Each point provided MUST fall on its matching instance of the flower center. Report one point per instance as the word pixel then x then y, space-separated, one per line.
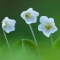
pixel 48 26
pixel 6 24
pixel 28 15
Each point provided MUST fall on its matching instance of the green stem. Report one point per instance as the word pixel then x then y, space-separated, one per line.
pixel 6 40
pixel 35 40
pixel 33 35
pixel 23 49
pixel 52 45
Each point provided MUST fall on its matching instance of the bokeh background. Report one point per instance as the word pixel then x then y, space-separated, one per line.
pixel 13 9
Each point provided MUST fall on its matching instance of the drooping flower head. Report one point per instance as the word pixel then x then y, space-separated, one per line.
pixel 47 25
pixel 30 16
pixel 8 25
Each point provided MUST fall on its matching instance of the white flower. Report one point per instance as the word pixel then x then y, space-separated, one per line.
pixel 8 25
pixel 47 25
pixel 30 16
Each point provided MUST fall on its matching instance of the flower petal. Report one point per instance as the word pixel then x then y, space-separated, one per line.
pixel 5 19
pixel 47 33
pixel 29 10
pixel 35 14
pixel 41 27
pixel 9 29
pixel 51 20
pixel 54 29
pixel 31 20
pixel 43 19
pixel 3 24
pixel 12 22
pixel 23 15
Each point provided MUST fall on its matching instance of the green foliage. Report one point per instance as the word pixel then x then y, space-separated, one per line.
pixel 56 44
pixel 0 51
pixel 24 48
pixel 26 42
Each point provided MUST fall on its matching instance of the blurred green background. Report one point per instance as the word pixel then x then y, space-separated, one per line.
pixel 13 9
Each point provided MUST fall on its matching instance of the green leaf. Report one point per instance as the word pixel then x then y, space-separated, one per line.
pixel 27 44
pixel 24 48
pixel 56 44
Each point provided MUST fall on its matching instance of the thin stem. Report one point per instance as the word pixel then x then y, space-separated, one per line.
pixel 51 40
pixel 6 40
pixel 23 48
pixel 33 35
pixel 35 40
pixel 52 45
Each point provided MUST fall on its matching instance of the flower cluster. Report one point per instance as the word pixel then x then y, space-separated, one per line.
pixel 47 25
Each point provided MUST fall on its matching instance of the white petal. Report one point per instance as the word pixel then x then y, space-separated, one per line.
pixel 12 22
pixel 29 10
pixel 41 27
pixel 31 20
pixel 35 14
pixel 47 33
pixel 5 19
pixel 9 29
pixel 6 30
pixel 24 12
pixel 3 24
pixel 43 19
pixel 51 20
pixel 54 29
pixel 23 15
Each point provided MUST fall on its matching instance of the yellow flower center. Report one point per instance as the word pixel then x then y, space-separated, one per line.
pixel 28 15
pixel 48 26
pixel 6 24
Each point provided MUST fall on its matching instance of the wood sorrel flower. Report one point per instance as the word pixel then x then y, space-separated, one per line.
pixel 47 25
pixel 8 25
pixel 30 16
